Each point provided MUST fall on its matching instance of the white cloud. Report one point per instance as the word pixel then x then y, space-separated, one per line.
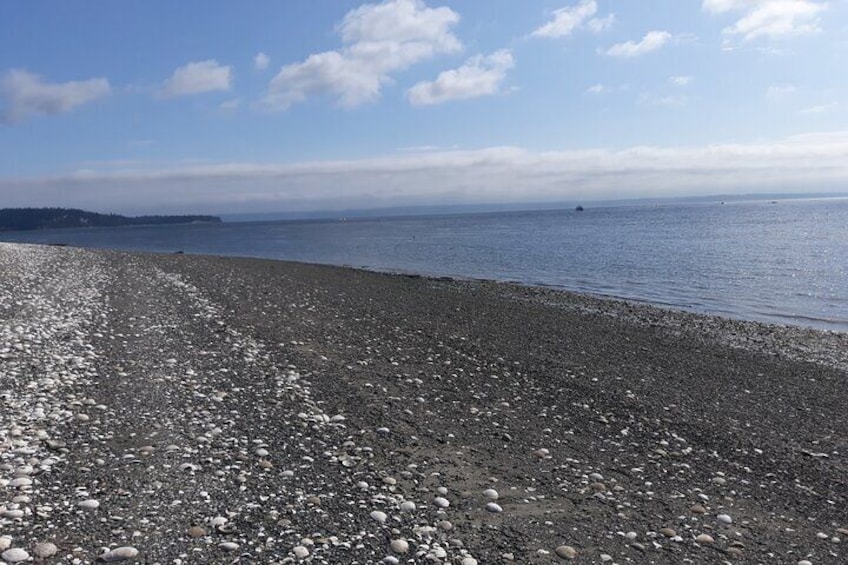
pixel 769 18
pixel 261 61
pixel 198 77
pixel 597 89
pixel 479 76
pixel 680 80
pixel 567 19
pixel 652 41
pixel 379 40
pixel 498 174
pixel 597 25
pixel 24 94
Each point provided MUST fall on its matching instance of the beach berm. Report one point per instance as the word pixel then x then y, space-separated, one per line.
pixel 179 409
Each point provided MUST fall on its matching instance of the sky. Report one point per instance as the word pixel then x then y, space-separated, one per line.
pixel 298 105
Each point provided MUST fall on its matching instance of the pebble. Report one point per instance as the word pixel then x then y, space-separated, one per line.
pixel 441 502
pixel 724 519
pixel 5 543
pixel 805 562
pixel 491 494
pixel 399 545
pixel 469 561
pixel 14 555
pixel 379 516
pixel 668 532
pixel 697 509
pixel 493 507
pixel 196 532
pixel 119 554
pixel 704 538
pixel 407 506
pixel 89 504
pixel 300 552
pixel 566 552
pixel 45 549
pixel 228 545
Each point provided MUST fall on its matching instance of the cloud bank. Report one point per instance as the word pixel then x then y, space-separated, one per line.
pixel 379 40
pixel 24 94
pixel 815 162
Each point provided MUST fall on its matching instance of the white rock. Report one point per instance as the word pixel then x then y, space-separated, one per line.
pixel 89 504
pixel 724 519
pixel 805 562
pixel 441 502
pixel 469 561
pixel 15 555
pixel 399 545
pixel 438 552
pixel 5 542
pixel 390 560
pixel 119 554
pixel 491 494
pixel 493 507
pixel 379 516
pixel 407 506
pixel 566 552
pixel 20 482
pixel 228 545
pixel 217 521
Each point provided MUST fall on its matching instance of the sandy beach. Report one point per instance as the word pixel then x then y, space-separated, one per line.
pixel 181 409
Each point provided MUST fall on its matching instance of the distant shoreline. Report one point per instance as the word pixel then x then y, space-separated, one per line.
pixel 29 219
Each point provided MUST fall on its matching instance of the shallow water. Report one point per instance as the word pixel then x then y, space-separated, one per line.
pixel 781 262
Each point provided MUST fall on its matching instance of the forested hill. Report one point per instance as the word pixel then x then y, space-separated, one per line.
pixel 51 218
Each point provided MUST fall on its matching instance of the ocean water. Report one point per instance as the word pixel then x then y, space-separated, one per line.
pixel 783 262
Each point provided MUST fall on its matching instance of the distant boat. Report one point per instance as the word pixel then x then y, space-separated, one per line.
pixel 579 208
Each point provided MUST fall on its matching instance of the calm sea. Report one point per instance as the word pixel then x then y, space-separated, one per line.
pixel 783 262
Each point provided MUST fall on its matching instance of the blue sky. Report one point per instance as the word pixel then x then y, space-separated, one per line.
pixel 299 105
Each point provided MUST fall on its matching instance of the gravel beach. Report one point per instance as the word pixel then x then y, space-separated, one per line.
pixel 183 409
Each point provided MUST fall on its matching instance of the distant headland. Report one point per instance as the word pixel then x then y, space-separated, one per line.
pixel 54 218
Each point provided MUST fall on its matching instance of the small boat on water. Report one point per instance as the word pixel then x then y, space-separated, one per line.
pixel 579 208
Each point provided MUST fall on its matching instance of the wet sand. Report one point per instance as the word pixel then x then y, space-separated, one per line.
pixel 222 410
